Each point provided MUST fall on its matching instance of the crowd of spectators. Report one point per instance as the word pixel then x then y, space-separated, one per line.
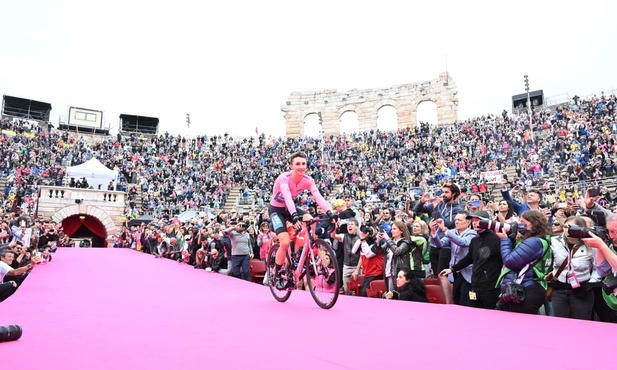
pixel 564 152
pixel 568 149
pixel 24 243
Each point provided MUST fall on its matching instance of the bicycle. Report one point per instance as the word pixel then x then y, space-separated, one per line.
pixel 315 265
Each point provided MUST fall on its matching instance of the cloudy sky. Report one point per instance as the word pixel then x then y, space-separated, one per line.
pixel 232 64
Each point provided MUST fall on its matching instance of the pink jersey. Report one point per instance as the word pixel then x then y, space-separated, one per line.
pixel 285 190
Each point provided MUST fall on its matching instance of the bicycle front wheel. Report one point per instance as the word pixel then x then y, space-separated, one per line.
pixel 323 275
pixel 279 295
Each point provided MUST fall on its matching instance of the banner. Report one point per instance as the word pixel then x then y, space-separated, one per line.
pixel 492 177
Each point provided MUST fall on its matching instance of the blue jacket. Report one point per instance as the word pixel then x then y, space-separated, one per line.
pixel 519 208
pixel 460 247
pixel 527 251
pixel 445 211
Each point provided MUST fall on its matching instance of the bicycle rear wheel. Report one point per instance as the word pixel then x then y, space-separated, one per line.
pixel 279 295
pixel 323 275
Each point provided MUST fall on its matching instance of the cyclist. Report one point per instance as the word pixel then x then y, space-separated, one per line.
pixel 282 208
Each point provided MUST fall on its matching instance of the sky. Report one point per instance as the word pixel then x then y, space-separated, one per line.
pixel 232 64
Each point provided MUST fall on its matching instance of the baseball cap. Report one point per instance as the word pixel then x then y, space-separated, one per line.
pixel 479 214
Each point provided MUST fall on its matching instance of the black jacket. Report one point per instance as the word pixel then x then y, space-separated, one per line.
pixel 485 254
pixel 412 291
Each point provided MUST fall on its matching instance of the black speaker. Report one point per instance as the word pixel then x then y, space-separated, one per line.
pixel 520 101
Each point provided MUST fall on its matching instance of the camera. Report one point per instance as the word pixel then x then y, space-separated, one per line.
pixel 575 231
pixel 610 285
pixel 498 227
pixel 366 229
pixel 578 232
pixel 514 293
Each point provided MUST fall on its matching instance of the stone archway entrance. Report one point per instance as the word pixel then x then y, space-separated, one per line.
pixel 97 215
pixel 366 103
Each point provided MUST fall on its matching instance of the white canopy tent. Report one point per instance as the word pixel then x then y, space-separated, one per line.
pixel 95 173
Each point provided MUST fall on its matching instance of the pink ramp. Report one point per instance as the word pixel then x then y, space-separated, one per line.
pixel 119 309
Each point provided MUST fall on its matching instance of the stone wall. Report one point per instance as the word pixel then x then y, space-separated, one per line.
pixel 107 207
pixel 366 103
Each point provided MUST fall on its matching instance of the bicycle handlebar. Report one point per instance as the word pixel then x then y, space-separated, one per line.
pixel 317 219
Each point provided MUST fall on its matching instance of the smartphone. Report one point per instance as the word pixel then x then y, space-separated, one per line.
pixel 475 203
pixel 562 205
pixel 431 195
pixel 594 192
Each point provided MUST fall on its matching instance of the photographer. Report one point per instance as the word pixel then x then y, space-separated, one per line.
pixel 370 263
pixel 572 266
pixel 485 255
pixel 606 266
pixel 525 265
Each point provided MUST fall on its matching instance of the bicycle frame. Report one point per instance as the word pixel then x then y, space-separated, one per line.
pixel 308 230
pixel 319 271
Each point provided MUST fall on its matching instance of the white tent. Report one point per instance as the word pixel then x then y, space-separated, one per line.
pixel 95 173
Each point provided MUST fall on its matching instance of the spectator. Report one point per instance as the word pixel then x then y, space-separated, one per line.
pixel 408 288
pixel 396 251
pixel 241 252
pixel 419 248
pixel 265 240
pixel 445 209
pixel 9 286
pixel 346 243
pixel 458 240
pixel 505 212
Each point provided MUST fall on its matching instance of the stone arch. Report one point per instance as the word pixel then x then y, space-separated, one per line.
pixel 110 226
pixel 384 111
pixel 349 113
pixel 418 106
pixel 366 103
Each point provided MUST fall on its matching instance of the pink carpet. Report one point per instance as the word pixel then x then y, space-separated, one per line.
pixel 119 309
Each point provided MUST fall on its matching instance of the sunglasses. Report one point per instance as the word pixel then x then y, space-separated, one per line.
pixel 556 224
